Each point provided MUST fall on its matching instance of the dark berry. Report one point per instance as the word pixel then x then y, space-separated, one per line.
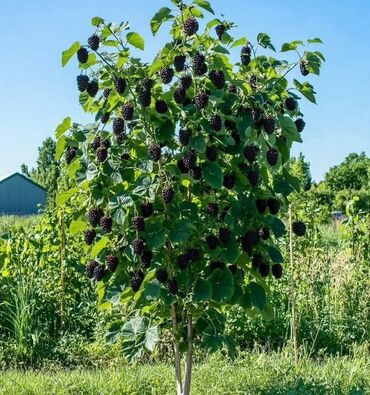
pixel 179 62
pixel 161 275
pixel 253 82
pixel 138 246
pixel 121 138
pixel 147 84
pixel 300 124
pixel 136 281
pixel 193 255
pixel 120 85
pixel 105 117
pixel 236 136
pixel 274 205
pixel 250 240
pixel 145 98
pixel 251 152
pixel 264 233
pixel 291 104
pixel 229 181
pixel 82 55
pixel 253 177
pixel 70 155
pixel 147 209
pixel 199 65
pixel 118 126
pixel 299 228
pixel 106 223
pixel 212 241
pixel 167 194
pixel 179 95
pixel 89 236
pixel 191 26
pixel 106 93
pixel 201 100
pixel 96 143
pixel 102 154
pixel 197 173
pixel 216 265
pixel 138 223
pixel 105 143
pixel 99 273
pixel 232 89
pixel 146 258
pixel 245 55
pixel 257 116
pixel 82 82
pixel 211 153
pixel 233 268
pixel 261 205
pixel 90 267
pixel 212 209
pixel 155 152
pixel 217 78
pixel 172 286
pixel 94 42
pixel 264 269
pixel 257 260
pixel 277 270
pixel 161 106
pixel 216 123
pixel 190 160
pixel 303 68
pixel 269 125
pixel 112 263
pixel 167 74
pixel 184 136
pixel 272 156
pixel 92 88
pixel 224 234
pixel 220 30
pixel 128 111
pixel 182 261
pixel 186 81
pixel 94 216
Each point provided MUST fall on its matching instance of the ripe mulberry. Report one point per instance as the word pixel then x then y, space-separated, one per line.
pixel 191 26
pixel 92 88
pixel 269 125
pixel 224 234
pixel 190 160
pixel 217 78
pixel 199 64
pixel 96 143
pixel 138 246
pixel 90 267
pixel 220 30
pixel 94 216
pixel 147 209
pixel 138 223
pixel 106 223
pixel 181 166
pixel 89 236
pixel 182 261
pixel 155 152
pixel 232 89
pixel 212 242
pixel 257 260
pixel 274 205
pixel 229 181
pixel 251 152
pixel 102 154
pixel 94 42
pixel 299 228
pixel 145 98
pixel 128 111
pixel 168 194
pixel 99 273
pixel 216 123
pixel 250 240
pixel 118 126
pixel 197 173
pixel 264 269
pixel 82 82
pixel 105 118
pixel 179 95
pixel 211 153
pixel 272 156
pixel 146 258
pixel 277 270
pixel 193 255
pixel 82 55
pixel 212 209
pixel 172 286
pixel 184 136
pixel 300 124
pixel 147 84
pixel 257 116
pixel 106 93
pixel 303 68
pixel 261 205
pixel 186 81
pixel 161 275
pixel 161 106
pixel 136 281
pixel 70 155
pixel 179 62
pixel 245 55
pixel 216 265
pixel 167 75
pixel 253 177
pixel 112 263
pixel 120 85
pixel 264 233
pixel 291 104
pixel 201 100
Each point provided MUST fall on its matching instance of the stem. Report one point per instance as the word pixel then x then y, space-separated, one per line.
pixel 176 351
pixel 189 357
pixel 292 292
pixel 62 274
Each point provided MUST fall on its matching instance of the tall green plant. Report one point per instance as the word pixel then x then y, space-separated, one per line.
pixel 183 174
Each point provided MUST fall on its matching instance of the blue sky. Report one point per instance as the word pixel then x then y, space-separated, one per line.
pixel 36 93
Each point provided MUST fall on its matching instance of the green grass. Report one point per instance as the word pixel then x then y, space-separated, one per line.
pixel 11 222
pixel 253 374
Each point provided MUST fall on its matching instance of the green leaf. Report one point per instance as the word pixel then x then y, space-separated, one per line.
pixel 99 246
pixel 205 5
pixel 265 41
pixel 237 43
pixel 68 53
pixel 65 196
pixel 213 174
pixel 222 283
pixel 96 21
pixel 198 143
pixel 181 231
pixel 275 254
pixel 257 295
pixel 202 291
pixel 231 253
pixel 77 226
pixel 152 290
pixel 277 226
pixel 136 40
pixel 315 41
pixel 164 14
pixel 291 46
pixel 306 89
pixel 155 234
pixel 60 147
pixel 63 127
pixel 114 331
pixel 289 128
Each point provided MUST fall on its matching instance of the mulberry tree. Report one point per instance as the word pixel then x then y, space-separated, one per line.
pixel 184 173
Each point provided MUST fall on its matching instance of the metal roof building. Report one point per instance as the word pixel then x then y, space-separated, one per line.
pixel 20 196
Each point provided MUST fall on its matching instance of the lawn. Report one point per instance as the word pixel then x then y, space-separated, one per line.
pixel 253 374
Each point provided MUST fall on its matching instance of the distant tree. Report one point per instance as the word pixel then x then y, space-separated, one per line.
pixel 300 168
pixel 47 171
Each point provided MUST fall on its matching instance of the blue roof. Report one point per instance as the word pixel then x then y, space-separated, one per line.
pixel 4 178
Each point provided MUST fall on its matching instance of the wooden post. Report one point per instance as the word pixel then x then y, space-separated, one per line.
pixel 176 351
pixel 292 292
pixel 189 356
pixel 62 274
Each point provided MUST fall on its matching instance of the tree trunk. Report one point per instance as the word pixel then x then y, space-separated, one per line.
pixel 176 352
pixel 189 356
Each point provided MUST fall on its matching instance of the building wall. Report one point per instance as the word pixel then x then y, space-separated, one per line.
pixel 19 196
